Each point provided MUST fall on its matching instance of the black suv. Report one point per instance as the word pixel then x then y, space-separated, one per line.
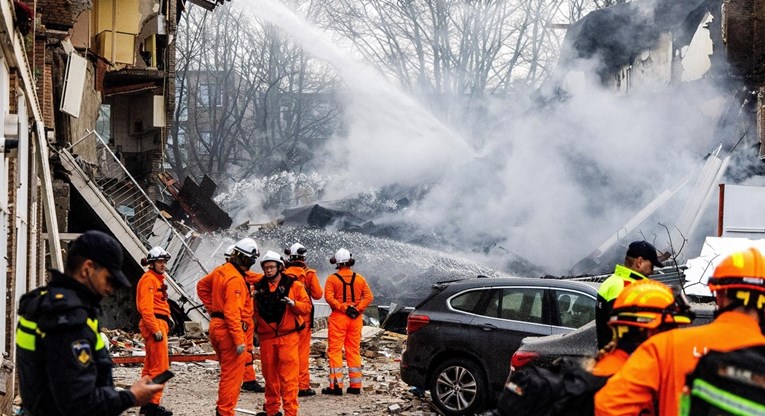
pixel 461 338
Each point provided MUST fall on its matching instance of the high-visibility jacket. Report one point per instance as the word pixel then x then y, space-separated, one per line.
pixel 251 278
pixel 657 369
pixel 346 288
pixel 610 363
pixel 249 309
pixel 343 289
pixel 151 299
pixel 229 295
pixel 274 318
pixel 151 303
pixel 310 281
pixel 63 364
pixel 204 289
pixel 607 293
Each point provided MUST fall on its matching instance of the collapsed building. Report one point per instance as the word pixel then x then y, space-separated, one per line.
pixel 88 94
pixel 648 44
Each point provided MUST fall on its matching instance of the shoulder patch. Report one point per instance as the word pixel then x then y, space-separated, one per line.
pixel 82 352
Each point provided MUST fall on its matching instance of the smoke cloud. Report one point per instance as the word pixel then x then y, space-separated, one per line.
pixel 547 182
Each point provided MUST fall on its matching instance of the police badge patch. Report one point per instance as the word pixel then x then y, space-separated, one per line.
pixel 81 351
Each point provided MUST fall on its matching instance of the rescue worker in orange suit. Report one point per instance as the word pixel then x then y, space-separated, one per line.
pixel 228 325
pixel 280 301
pixel 639 262
pixel 296 266
pixel 643 309
pixel 347 294
pixel 155 323
pixel 250 383
pixel 656 370
pixel 204 291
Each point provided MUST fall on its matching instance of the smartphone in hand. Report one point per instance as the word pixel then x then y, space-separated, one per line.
pixel 162 377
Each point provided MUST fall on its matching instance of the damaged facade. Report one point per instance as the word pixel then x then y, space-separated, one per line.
pixel 654 44
pixel 87 96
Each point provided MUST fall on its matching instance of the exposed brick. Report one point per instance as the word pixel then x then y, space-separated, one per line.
pixel 61 14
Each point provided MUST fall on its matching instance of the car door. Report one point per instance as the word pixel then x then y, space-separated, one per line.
pixel 508 315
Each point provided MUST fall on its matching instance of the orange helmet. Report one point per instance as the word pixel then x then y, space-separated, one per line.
pixel 743 271
pixel 649 304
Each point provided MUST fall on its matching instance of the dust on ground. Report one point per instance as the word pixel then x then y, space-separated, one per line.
pixel 194 389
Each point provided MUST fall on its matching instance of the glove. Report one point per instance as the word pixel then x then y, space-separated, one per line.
pixel 158 336
pixel 288 301
pixel 240 348
pixel 352 312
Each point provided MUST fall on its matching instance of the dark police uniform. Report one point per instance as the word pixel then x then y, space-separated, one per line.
pixel 63 364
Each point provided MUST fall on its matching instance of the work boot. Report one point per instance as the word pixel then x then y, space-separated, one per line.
pixel 306 393
pixel 353 390
pixel 337 391
pixel 253 386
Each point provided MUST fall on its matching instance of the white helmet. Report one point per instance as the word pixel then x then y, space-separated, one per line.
pixel 157 253
pixel 296 251
pixel 229 251
pixel 248 247
pixel 272 256
pixel 342 256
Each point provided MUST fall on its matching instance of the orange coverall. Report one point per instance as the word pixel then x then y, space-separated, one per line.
pixel 249 310
pixel 151 302
pixel 278 344
pixel 310 281
pixel 227 308
pixel 610 363
pixel 657 369
pixel 344 331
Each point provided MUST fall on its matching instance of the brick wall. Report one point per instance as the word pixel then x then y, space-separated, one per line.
pixel 738 34
pixel 44 84
pixel 758 41
pixel 61 14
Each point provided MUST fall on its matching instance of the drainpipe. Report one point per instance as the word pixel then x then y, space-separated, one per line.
pixel 721 210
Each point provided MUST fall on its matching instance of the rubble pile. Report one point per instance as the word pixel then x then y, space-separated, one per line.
pixel 126 344
pixel 195 384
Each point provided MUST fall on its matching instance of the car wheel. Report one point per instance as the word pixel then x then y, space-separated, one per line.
pixel 457 387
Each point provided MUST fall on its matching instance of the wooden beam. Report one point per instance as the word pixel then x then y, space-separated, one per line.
pixel 173 357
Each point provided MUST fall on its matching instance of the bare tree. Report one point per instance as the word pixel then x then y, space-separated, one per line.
pixel 250 102
pixel 456 51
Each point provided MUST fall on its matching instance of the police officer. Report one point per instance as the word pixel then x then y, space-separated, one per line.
pixel 639 262
pixel 64 366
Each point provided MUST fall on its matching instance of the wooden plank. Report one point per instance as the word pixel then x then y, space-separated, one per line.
pixel 173 357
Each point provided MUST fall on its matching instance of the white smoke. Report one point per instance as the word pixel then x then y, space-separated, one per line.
pixel 549 183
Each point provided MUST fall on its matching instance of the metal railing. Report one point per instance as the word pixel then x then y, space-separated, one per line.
pixel 138 211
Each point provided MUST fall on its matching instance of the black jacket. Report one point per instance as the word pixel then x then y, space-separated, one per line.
pixel 69 370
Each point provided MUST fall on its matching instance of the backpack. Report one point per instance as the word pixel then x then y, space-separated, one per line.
pixel 726 383
pixel 564 389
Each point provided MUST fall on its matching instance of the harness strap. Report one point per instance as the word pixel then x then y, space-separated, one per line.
pixel 346 286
